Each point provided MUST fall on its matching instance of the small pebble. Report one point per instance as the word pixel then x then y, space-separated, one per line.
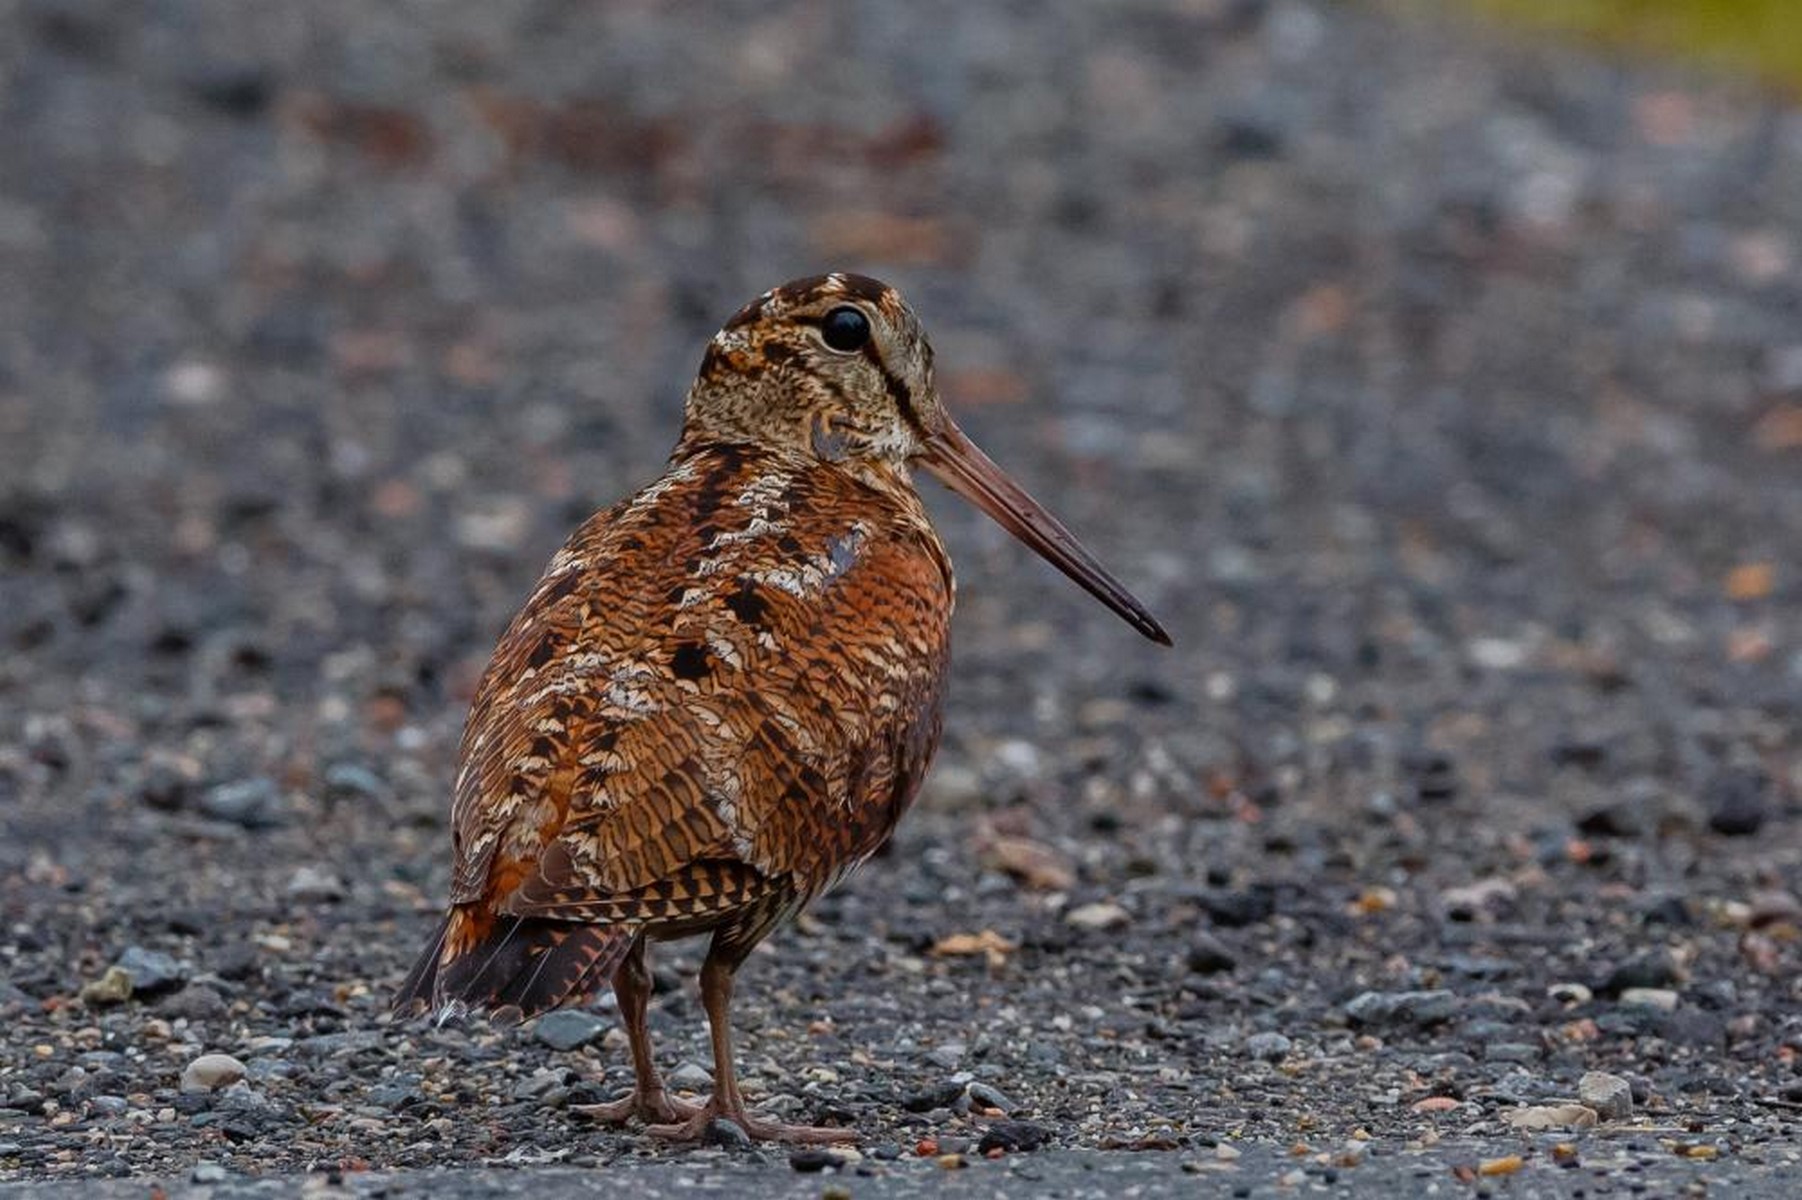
pixel 114 987
pixel 251 803
pixel 1402 1008
pixel 152 972
pixel 691 1077
pixel 1485 899
pixel 314 885
pixel 549 1086
pixel 988 1097
pixel 812 1159
pixel 949 1055
pixel 1610 1095
pixel 1654 969
pixel 211 1072
pixel 1736 801
pixel 1269 1047
pixel 727 1134
pixel 351 782
pixel 196 1002
pixel 1014 1137
pixel 941 1095
pixel 1662 999
pixel 1098 916
pixel 573 1028
pixel 1208 955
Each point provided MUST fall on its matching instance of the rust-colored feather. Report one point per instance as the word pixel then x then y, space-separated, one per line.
pixel 722 689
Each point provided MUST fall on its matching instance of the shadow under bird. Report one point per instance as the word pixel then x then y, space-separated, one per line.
pixel 724 691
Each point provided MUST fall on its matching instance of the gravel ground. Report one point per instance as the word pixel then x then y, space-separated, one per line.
pixel 1443 395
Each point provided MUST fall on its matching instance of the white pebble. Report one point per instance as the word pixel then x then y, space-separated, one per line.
pixel 210 1072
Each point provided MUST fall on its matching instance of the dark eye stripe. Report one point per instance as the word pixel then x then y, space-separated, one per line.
pixel 898 391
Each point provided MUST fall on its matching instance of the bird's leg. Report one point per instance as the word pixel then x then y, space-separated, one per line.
pixel 716 996
pixel 647 1101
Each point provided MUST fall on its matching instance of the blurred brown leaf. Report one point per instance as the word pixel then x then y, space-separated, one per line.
pixel 965 945
pixel 1033 863
pixel 1779 429
pixel 1751 581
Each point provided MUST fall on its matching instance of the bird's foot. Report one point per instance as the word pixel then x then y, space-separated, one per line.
pixel 652 1106
pixel 694 1129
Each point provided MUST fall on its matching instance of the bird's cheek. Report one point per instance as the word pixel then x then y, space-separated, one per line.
pixel 831 439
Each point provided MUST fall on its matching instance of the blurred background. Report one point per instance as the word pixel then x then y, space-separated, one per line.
pixel 1436 376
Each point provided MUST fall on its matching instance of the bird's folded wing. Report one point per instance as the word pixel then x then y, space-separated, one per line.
pixel 695 707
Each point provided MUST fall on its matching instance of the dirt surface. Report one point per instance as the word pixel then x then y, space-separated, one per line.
pixel 1443 396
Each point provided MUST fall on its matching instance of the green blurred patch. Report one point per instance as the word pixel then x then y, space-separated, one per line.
pixel 1763 37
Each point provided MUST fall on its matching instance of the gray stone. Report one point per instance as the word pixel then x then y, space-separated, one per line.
pixel 396 1093
pixel 315 885
pixel 1270 1047
pixel 152 972
pixel 1736 801
pixel 949 1055
pixel 1013 1137
pixel 196 1002
pixel 337 1045
pixel 988 1097
pixel 1511 1052
pixel 939 1095
pixel 1402 1008
pixel 570 1028
pixel 549 1086
pixel 1209 955
pixel 353 782
pixel 242 1098
pixel 727 1134
pixel 262 1070
pixel 691 1077
pixel 1653 969
pixel 1610 1095
pixel 252 803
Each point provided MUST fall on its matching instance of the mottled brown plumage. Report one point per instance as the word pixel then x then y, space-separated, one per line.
pixel 724 692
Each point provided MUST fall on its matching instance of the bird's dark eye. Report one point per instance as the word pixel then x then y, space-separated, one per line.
pixel 845 329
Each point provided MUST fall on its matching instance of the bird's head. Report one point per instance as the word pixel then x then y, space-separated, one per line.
pixel 836 367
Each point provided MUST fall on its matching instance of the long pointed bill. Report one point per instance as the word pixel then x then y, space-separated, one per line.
pixel 956 462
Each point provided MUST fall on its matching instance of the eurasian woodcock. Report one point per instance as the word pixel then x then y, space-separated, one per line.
pixel 724 692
